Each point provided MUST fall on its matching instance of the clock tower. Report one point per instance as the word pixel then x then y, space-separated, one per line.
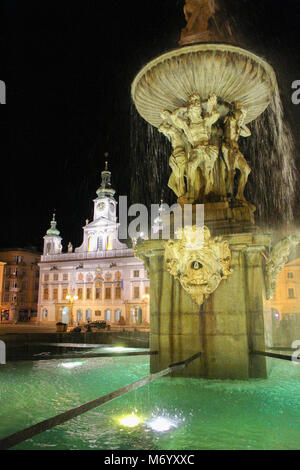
pixel 105 206
pixel 102 233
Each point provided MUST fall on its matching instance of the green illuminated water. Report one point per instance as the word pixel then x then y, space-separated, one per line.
pixel 208 414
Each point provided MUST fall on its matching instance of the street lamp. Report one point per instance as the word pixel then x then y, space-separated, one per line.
pixel 71 299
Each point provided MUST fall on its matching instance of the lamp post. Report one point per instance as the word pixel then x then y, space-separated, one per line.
pixel 71 299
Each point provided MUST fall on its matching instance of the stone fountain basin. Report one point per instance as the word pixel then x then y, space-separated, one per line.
pixel 234 74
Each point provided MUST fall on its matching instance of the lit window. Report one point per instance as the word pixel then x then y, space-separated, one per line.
pixel 64 293
pixel 109 242
pixel 46 293
pixel 90 242
pixel 107 315
pixel 117 315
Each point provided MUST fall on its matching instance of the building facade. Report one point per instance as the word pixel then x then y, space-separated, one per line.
pixel 99 281
pixel 20 285
pixel 286 298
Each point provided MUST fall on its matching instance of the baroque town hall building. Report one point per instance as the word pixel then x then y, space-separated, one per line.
pixel 100 280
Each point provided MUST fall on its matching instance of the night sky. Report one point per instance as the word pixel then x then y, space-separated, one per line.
pixel 68 67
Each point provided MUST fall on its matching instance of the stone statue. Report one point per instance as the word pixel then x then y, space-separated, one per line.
pixel 197 14
pixel 70 247
pixel 278 258
pixel 234 127
pixel 178 158
pixel 199 262
pixel 197 129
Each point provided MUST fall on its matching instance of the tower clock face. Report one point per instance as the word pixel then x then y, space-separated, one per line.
pixel 100 206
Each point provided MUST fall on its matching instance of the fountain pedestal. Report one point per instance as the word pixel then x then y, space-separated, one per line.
pixel 226 327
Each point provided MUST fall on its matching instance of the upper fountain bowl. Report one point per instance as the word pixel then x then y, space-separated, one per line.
pixel 234 74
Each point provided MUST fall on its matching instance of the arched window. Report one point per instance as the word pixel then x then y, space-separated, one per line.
pixel 48 248
pixel 117 315
pixel 44 314
pixel 90 243
pixel 109 243
pixel 107 315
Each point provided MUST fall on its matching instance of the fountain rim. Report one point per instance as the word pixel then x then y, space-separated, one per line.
pixel 203 48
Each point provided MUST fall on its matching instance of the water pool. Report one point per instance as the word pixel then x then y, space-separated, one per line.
pixel 202 414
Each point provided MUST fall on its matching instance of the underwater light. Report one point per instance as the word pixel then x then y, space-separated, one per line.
pixel 119 349
pixel 161 424
pixel 130 421
pixel 71 365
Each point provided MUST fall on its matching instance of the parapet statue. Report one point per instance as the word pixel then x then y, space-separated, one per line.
pixel 70 247
pixel 197 14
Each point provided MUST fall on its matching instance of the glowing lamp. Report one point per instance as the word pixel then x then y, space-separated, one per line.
pixel 130 421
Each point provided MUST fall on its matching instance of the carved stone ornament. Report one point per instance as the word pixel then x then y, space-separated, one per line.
pixel 198 261
pixel 278 258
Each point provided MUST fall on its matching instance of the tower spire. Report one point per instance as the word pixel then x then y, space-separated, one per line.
pixel 105 189
pixel 53 231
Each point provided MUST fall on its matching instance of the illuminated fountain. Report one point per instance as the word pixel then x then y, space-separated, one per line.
pixel 207 287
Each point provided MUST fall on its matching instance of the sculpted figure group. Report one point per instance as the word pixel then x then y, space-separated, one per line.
pixel 199 137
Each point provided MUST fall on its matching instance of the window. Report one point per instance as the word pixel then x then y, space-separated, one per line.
pixel 65 277
pixel 18 259
pixel 107 315
pixel 291 294
pixel 6 285
pixel 6 297
pixel 147 290
pixel 136 292
pixel 118 275
pixel 46 277
pixel 80 277
pixel 88 315
pixel 79 293
pixel 118 293
pixel 97 313
pixel 46 293
pixel 55 294
pixel 108 293
pixel 64 293
pixel 22 299
pixel 55 277
pixel 78 316
pixel 88 293
pixel 136 273
pixel 117 315
pixel 7 271
pixel 99 244
pixel 44 314
pixel 98 293
pixel 109 243
pixel 290 275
